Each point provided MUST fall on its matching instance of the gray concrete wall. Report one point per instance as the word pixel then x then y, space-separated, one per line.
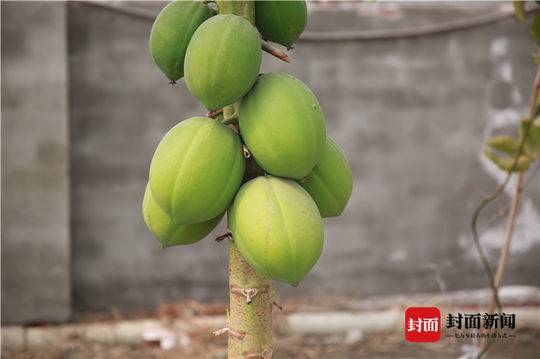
pixel 120 108
pixel 36 274
pixel 411 115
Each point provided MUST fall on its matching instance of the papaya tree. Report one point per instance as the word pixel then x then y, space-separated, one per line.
pixel 261 155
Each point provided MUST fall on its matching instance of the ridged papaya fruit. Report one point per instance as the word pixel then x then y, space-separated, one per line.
pixel 166 231
pixel 222 60
pixel 281 21
pixel 196 170
pixel 277 228
pixel 171 32
pixel 330 182
pixel 283 126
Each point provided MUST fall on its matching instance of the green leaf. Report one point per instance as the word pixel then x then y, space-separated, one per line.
pixel 524 127
pixel 531 148
pixel 519 9
pixel 535 28
pixel 507 163
pixel 505 144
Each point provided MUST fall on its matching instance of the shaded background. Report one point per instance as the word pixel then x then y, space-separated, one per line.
pixel 83 108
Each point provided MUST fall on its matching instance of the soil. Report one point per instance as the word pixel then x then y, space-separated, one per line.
pixel 202 344
pixel 381 345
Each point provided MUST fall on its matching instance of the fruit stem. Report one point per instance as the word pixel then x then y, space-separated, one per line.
pixel 213 114
pixel 231 113
pixel 242 8
pixel 230 120
pixel 275 52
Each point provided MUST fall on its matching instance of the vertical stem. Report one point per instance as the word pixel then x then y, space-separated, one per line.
pixel 253 321
pixel 242 8
pixel 503 259
pixel 250 317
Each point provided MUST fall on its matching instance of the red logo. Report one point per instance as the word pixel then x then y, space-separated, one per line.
pixel 422 324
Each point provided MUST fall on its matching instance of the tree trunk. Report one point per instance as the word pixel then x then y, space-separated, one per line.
pixel 251 322
pixel 250 294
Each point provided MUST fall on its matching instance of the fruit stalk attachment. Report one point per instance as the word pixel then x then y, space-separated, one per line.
pixel 244 8
pixel 275 52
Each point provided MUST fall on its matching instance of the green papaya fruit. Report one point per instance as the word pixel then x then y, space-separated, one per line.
pixel 330 182
pixel 171 32
pixel 222 60
pixel 283 126
pixel 281 21
pixel 277 228
pixel 196 170
pixel 166 231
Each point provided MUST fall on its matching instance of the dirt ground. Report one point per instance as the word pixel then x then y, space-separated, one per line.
pixel 525 345
pixel 201 344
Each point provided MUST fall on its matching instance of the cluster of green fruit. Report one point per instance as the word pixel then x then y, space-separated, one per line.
pixel 200 171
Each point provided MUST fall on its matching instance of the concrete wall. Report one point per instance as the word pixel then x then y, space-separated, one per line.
pixel 36 271
pixel 411 115
pixel 120 108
